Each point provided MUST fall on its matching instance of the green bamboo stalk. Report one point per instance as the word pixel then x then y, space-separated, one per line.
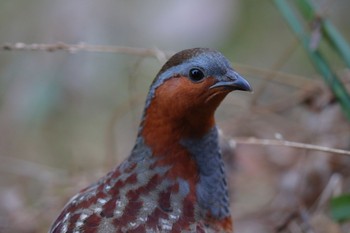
pixel 331 33
pixel 316 57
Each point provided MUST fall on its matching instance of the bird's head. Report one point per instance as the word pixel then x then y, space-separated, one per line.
pixel 189 87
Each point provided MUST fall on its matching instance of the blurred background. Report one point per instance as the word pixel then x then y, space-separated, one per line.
pixel 66 118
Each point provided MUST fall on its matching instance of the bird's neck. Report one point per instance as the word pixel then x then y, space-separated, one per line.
pixel 164 124
pixel 190 149
pixel 211 190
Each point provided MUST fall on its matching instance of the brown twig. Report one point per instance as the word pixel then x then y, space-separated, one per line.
pixel 279 77
pixel 291 100
pixel 111 137
pixel 298 145
pixel 73 48
pixel 30 169
pixel 280 62
pixel 333 188
pixel 292 216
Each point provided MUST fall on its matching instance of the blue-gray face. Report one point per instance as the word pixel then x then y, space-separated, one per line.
pixel 211 63
pixel 206 63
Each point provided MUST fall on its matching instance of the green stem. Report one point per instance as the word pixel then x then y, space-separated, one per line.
pixel 316 57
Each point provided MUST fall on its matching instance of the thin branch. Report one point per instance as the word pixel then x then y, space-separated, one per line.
pixel 31 169
pixel 279 77
pixel 143 52
pixel 278 64
pixel 298 145
pixel 111 136
pixel 291 217
pixel 333 188
pixel 292 80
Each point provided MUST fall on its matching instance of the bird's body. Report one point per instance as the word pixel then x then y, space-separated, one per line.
pixel 173 180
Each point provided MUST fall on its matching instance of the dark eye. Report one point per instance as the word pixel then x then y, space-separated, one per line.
pixel 196 74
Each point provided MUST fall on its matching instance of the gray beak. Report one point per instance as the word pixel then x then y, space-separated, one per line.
pixel 233 81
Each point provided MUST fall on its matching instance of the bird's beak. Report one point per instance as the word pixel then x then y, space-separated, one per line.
pixel 233 81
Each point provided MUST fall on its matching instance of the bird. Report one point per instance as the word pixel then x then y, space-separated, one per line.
pixel 174 178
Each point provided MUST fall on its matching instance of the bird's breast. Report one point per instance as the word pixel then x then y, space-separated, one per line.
pixel 138 196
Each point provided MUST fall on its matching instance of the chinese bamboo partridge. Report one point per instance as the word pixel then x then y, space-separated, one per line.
pixel 174 179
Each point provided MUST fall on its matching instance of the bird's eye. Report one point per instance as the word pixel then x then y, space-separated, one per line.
pixel 196 74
